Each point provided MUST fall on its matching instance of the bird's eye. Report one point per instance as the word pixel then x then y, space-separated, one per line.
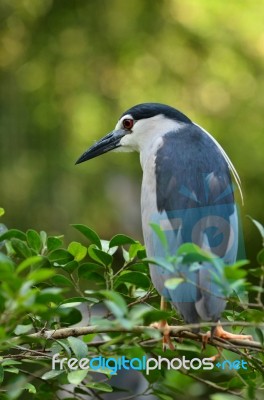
pixel 128 123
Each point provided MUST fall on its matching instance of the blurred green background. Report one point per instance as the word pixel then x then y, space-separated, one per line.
pixel 70 68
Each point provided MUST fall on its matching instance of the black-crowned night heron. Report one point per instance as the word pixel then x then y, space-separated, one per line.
pixel 187 190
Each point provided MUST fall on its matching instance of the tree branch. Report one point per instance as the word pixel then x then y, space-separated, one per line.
pixel 175 331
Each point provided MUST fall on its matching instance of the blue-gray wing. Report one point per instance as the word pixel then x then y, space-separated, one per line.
pixel 195 203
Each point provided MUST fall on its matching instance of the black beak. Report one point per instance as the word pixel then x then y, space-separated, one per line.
pixel 107 143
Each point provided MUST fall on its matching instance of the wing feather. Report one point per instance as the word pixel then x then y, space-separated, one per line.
pixel 194 186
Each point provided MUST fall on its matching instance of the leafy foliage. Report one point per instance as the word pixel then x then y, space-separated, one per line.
pixel 96 298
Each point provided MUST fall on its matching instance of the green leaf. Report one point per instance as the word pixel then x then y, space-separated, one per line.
pixel 135 249
pixel 155 315
pixel 34 240
pixel 157 393
pixel 136 278
pixel 162 262
pixel 139 267
pixel 97 279
pixel 259 226
pixel 30 388
pixel 121 240
pixel 137 312
pixel 231 273
pixel 60 256
pixel 16 387
pixel 195 266
pixel 186 248
pixel 100 256
pixel 78 347
pixel 12 370
pixel 105 247
pixel 254 288
pixel 102 387
pixel 71 266
pixel 77 250
pixel 29 262
pixel 70 304
pixel 85 269
pixel 125 255
pixel 190 258
pixel 260 335
pixel 256 272
pixel 115 309
pixel 260 257
pixel 50 294
pixel 21 248
pixel 43 237
pixel 41 275
pixel 52 374
pixel 1 374
pixel 2 211
pixel 115 298
pixel 22 329
pixel 53 243
pixel 239 263
pixel 193 253
pixel 141 254
pixel 172 283
pixel 9 361
pixel 161 235
pixel 62 343
pixel 13 233
pixel 61 280
pixel 223 396
pixel 76 377
pixel 252 315
pixel 6 268
pixel 89 234
pixel 73 301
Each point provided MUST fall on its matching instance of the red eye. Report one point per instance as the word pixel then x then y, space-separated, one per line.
pixel 128 124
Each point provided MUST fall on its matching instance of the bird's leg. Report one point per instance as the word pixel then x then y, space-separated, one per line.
pixel 166 341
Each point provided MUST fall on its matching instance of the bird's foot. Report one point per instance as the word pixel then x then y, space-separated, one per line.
pixel 166 340
pixel 220 332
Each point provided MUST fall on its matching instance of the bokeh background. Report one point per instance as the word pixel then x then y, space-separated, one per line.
pixel 70 68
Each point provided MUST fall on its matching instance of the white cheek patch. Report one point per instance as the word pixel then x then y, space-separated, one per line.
pixel 122 149
pixel 128 143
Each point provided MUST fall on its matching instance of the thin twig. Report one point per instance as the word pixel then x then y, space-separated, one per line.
pixel 211 384
pixel 141 299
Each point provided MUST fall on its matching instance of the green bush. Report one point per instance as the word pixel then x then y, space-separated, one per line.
pixel 48 289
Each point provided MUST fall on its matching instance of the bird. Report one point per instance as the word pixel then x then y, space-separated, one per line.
pixel 188 191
